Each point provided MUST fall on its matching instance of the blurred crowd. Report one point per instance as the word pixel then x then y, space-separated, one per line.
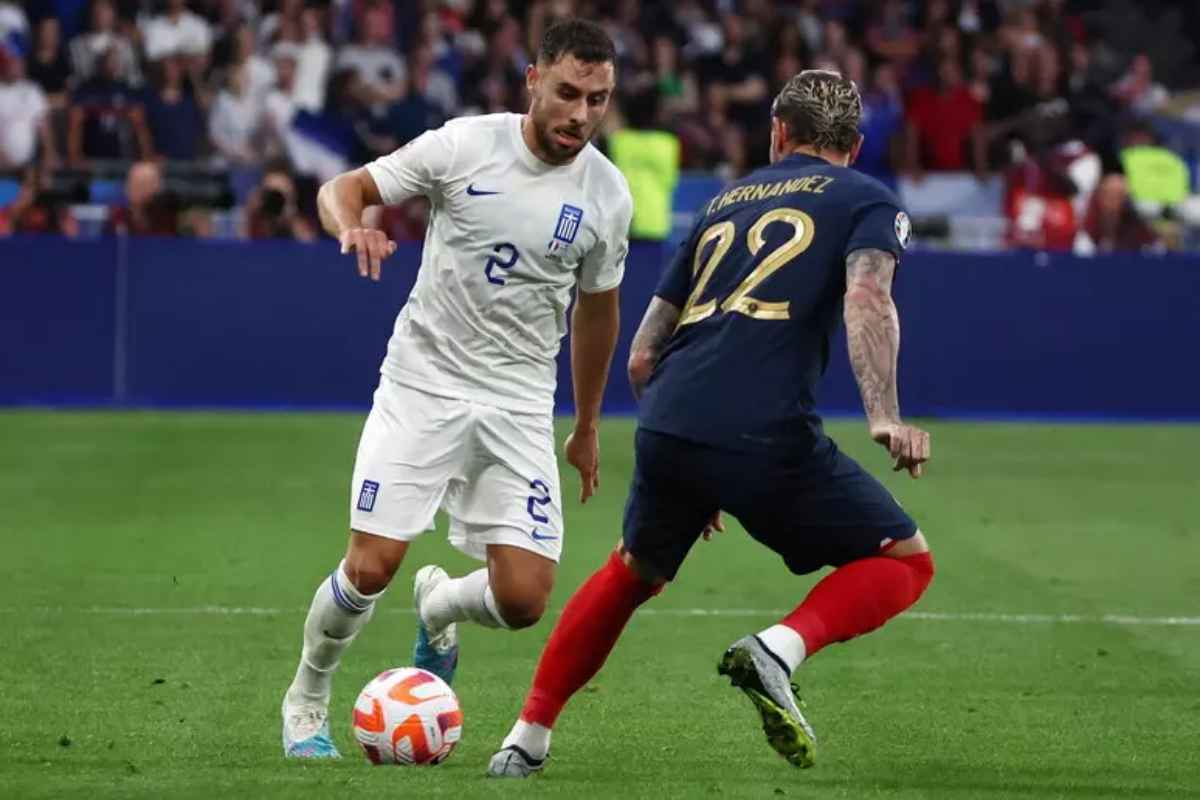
pixel 221 117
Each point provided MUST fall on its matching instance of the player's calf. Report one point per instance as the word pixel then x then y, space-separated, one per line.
pixel 521 582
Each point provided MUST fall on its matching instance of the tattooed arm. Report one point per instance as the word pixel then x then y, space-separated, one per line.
pixel 873 335
pixel 657 326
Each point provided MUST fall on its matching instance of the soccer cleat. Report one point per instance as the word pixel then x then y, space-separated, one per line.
pixel 436 650
pixel 752 668
pixel 514 762
pixel 306 731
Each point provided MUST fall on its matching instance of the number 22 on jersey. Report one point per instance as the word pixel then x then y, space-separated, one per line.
pixel 723 234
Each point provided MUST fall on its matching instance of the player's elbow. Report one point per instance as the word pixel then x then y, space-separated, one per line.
pixel 641 364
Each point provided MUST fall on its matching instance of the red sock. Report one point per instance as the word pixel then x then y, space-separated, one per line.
pixel 858 598
pixel 585 634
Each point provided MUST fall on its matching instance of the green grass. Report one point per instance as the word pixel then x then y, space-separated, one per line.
pixel 103 511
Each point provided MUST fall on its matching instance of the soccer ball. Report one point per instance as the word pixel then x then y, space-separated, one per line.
pixel 407 716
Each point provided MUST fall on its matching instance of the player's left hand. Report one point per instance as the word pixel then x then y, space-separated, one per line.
pixel 908 445
pixel 583 453
pixel 715 525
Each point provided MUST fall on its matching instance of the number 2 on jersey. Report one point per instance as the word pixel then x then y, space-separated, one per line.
pixel 740 301
pixel 496 262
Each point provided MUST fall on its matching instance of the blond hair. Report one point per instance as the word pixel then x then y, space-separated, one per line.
pixel 821 108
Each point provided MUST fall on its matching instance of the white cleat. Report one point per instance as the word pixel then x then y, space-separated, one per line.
pixel 306 730
pixel 514 762
pixel 436 649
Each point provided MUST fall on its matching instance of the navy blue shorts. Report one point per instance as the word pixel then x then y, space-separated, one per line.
pixel 819 509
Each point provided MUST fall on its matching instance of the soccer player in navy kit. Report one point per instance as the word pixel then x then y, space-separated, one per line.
pixel 726 363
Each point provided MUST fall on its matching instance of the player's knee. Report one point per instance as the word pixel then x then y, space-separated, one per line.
pixel 370 572
pixel 913 545
pixel 522 609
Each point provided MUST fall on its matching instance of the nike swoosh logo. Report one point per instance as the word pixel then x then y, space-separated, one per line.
pixel 471 190
pixel 541 537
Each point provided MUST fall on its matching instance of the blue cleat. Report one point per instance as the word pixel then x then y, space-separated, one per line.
pixel 436 650
pixel 306 731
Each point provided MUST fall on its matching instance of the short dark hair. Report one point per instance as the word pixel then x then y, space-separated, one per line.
pixel 581 38
pixel 822 109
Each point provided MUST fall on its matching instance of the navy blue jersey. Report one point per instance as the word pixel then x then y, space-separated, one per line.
pixel 760 283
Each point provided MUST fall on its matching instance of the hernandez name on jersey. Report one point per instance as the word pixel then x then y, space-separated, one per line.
pixel 509 236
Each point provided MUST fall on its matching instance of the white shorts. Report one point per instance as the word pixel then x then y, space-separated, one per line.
pixel 492 470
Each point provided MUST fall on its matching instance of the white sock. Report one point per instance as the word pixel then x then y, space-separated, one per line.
pixel 468 598
pixel 530 737
pixel 338 612
pixel 785 643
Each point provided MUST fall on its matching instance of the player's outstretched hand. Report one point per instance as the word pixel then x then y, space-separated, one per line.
pixel 908 445
pixel 583 453
pixel 371 246
pixel 715 525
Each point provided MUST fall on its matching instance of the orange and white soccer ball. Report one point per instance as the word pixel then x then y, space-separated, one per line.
pixel 407 716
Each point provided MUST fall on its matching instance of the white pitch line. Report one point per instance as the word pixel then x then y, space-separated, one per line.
pixel 932 616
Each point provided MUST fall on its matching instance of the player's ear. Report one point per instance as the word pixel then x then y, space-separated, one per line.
pixel 779 137
pixel 854 151
pixel 531 77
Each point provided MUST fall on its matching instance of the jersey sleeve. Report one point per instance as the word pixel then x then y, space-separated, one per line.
pixel 418 167
pixel 879 223
pixel 604 265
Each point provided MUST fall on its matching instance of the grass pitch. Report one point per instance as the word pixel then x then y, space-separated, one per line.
pixel 157 567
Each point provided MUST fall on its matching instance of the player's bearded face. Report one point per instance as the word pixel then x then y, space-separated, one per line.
pixel 567 101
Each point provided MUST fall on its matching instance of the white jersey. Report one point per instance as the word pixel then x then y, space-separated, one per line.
pixel 509 236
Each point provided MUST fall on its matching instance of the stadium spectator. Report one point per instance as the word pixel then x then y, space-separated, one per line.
pixel 106 119
pixel 24 115
pixel 882 123
pixel 434 80
pixel 1155 177
pixel 273 27
pixel 88 48
pixel 944 125
pixel 648 157
pixel 236 124
pixel 314 58
pixel 737 76
pixel 279 105
pixel 809 25
pixel 418 111
pixel 380 71
pixel 36 210
pixel 496 82
pixel 149 209
pixel 1113 224
pixel 891 37
pixel 178 32
pixel 48 66
pixel 1091 107
pixel 272 211
pixel 14 24
pixel 1138 90
pixel 173 114
pixel 260 73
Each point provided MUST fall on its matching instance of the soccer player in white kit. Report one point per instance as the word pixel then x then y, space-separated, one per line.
pixel 523 209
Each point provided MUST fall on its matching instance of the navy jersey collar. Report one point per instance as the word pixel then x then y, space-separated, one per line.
pixel 800 160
